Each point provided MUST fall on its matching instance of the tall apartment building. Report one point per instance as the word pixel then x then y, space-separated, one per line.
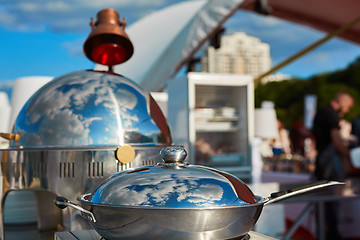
pixel 238 54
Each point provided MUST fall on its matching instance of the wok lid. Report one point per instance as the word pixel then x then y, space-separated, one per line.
pixel 173 183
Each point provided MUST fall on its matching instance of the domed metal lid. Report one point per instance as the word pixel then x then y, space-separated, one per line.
pixel 172 183
pixel 90 108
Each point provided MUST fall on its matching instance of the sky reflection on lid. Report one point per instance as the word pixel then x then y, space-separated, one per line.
pixel 159 187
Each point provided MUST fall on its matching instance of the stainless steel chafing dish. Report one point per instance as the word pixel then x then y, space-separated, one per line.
pixel 79 129
pixel 68 133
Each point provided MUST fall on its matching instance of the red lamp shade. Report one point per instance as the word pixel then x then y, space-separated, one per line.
pixel 108 54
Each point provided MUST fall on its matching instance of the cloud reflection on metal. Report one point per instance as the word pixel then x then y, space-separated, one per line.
pixel 163 187
pixel 87 108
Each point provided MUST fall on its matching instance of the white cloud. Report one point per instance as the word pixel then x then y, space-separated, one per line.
pixel 69 15
pixel 6 84
pixel 73 16
pixel 320 58
pixel 5 17
pixel 75 48
pixel 123 3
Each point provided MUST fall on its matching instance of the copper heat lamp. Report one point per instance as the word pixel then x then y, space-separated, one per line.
pixel 108 44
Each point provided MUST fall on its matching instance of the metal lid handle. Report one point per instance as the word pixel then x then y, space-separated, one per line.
pixel 173 156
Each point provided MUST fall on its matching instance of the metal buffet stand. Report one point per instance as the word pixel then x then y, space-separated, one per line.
pixel 316 202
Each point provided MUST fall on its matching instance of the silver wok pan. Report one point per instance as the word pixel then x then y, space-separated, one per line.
pixel 173 200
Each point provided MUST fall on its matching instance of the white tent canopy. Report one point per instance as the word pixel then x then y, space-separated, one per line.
pixel 166 40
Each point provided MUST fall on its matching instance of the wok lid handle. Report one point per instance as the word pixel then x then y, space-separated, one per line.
pixel 173 157
pixel 62 203
pixel 278 196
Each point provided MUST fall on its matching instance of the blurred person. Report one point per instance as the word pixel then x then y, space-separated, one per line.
pixel 349 139
pixel 328 138
pixel 345 129
pixel 333 157
pixel 203 150
pixel 298 135
pixel 303 145
pixel 355 130
pixel 281 144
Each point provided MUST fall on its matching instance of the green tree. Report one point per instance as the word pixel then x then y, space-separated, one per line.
pixel 288 96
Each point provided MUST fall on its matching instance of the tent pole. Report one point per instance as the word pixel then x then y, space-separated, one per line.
pixel 308 49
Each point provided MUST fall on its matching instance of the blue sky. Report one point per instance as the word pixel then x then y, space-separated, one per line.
pixel 46 37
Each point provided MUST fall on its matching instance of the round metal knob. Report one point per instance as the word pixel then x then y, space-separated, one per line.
pixel 125 154
pixel 173 154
